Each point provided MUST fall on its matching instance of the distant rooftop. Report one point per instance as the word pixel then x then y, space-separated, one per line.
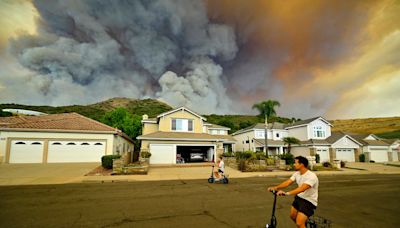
pixel 24 112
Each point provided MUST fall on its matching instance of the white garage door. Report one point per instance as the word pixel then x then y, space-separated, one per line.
pixel 162 154
pixel 379 156
pixel 26 151
pixel 345 155
pixel 76 151
pixel 323 155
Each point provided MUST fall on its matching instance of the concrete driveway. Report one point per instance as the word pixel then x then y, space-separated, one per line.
pixel 26 174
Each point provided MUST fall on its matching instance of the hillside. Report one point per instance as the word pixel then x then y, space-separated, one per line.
pixel 384 127
pixel 96 111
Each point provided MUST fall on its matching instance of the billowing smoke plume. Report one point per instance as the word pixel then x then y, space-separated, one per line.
pixel 86 51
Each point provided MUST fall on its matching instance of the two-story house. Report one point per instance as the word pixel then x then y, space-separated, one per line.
pixel 315 138
pixel 252 138
pixel 184 134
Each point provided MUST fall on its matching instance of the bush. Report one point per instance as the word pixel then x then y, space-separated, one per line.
pixel 107 161
pixel 270 161
pixel 327 164
pixel 289 158
pixel 260 155
pixel 362 157
pixel 242 165
pixel 342 164
pixel 317 158
pixel 228 154
pixel 247 156
pixel 145 154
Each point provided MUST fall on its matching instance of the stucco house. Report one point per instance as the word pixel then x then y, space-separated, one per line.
pixel 373 147
pixel 184 134
pixel 253 138
pixel 315 137
pixel 394 149
pixel 58 138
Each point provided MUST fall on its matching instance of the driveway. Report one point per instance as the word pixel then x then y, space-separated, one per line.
pixel 27 174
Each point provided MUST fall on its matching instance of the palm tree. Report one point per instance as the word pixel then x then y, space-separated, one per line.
pixel 267 110
pixel 290 141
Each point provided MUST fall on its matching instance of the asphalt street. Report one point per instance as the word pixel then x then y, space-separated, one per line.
pixel 348 201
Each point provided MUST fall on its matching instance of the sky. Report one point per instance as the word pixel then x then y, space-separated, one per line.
pixel 337 59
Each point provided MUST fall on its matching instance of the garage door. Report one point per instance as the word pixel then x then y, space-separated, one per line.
pixel 345 155
pixel 379 156
pixel 323 155
pixel 26 151
pixel 76 151
pixel 162 154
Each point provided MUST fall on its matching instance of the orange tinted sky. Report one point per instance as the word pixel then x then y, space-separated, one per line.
pixel 339 59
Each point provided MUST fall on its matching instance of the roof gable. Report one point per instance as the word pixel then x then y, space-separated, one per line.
pixel 181 109
pixel 302 123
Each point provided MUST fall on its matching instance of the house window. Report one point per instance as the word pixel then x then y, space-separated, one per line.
pixel 260 134
pixel 36 143
pixel 85 143
pixel 98 144
pixel 56 143
pixel 182 125
pixel 319 132
pixel 20 143
pixel 247 141
pixel 277 135
pixel 71 143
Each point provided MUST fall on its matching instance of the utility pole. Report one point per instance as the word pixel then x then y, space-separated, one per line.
pixel 266 135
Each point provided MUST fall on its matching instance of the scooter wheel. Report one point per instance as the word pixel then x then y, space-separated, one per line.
pixel 210 180
pixel 225 181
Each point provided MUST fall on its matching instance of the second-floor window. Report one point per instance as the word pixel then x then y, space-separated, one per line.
pixel 319 132
pixel 182 125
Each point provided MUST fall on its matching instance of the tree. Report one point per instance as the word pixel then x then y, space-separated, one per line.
pixel 290 141
pixel 267 108
pixel 130 124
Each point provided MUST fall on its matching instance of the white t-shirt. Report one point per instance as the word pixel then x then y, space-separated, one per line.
pixel 221 166
pixel 311 179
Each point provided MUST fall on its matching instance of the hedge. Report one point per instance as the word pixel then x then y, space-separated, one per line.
pixel 107 161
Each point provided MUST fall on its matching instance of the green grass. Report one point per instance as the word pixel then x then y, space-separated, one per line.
pixel 390 135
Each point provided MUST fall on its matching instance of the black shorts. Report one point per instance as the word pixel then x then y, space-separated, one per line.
pixel 220 171
pixel 304 206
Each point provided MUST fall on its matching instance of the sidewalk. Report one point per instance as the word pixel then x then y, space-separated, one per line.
pixel 190 173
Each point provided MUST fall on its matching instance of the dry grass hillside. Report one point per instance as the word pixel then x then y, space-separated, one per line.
pixel 369 125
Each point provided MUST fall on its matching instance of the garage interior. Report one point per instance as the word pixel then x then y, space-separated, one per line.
pixel 192 154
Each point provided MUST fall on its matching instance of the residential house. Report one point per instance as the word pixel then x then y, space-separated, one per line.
pixel 252 138
pixel 394 149
pixel 315 138
pixel 373 147
pixel 182 133
pixel 58 138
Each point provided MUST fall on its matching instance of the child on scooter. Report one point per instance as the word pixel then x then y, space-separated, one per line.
pixel 221 168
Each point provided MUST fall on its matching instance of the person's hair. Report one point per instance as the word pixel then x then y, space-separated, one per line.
pixel 302 160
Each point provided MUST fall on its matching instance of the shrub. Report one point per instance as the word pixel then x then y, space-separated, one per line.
pixel 342 164
pixel 270 161
pixel 242 165
pixel 317 158
pixel 260 155
pixel 289 158
pixel 107 161
pixel 228 154
pixel 247 156
pixel 145 154
pixel 362 157
pixel 327 164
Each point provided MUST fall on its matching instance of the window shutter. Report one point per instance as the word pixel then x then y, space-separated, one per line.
pixel 174 124
pixel 190 125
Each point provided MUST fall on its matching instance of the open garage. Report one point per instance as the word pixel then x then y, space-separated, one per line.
pixel 195 153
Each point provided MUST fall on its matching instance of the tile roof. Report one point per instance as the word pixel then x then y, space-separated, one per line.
pixel 315 142
pixel 307 121
pixel 260 126
pixel 64 121
pixel 361 139
pixel 186 136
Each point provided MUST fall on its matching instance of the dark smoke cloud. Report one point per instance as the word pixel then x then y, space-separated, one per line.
pixel 129 48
